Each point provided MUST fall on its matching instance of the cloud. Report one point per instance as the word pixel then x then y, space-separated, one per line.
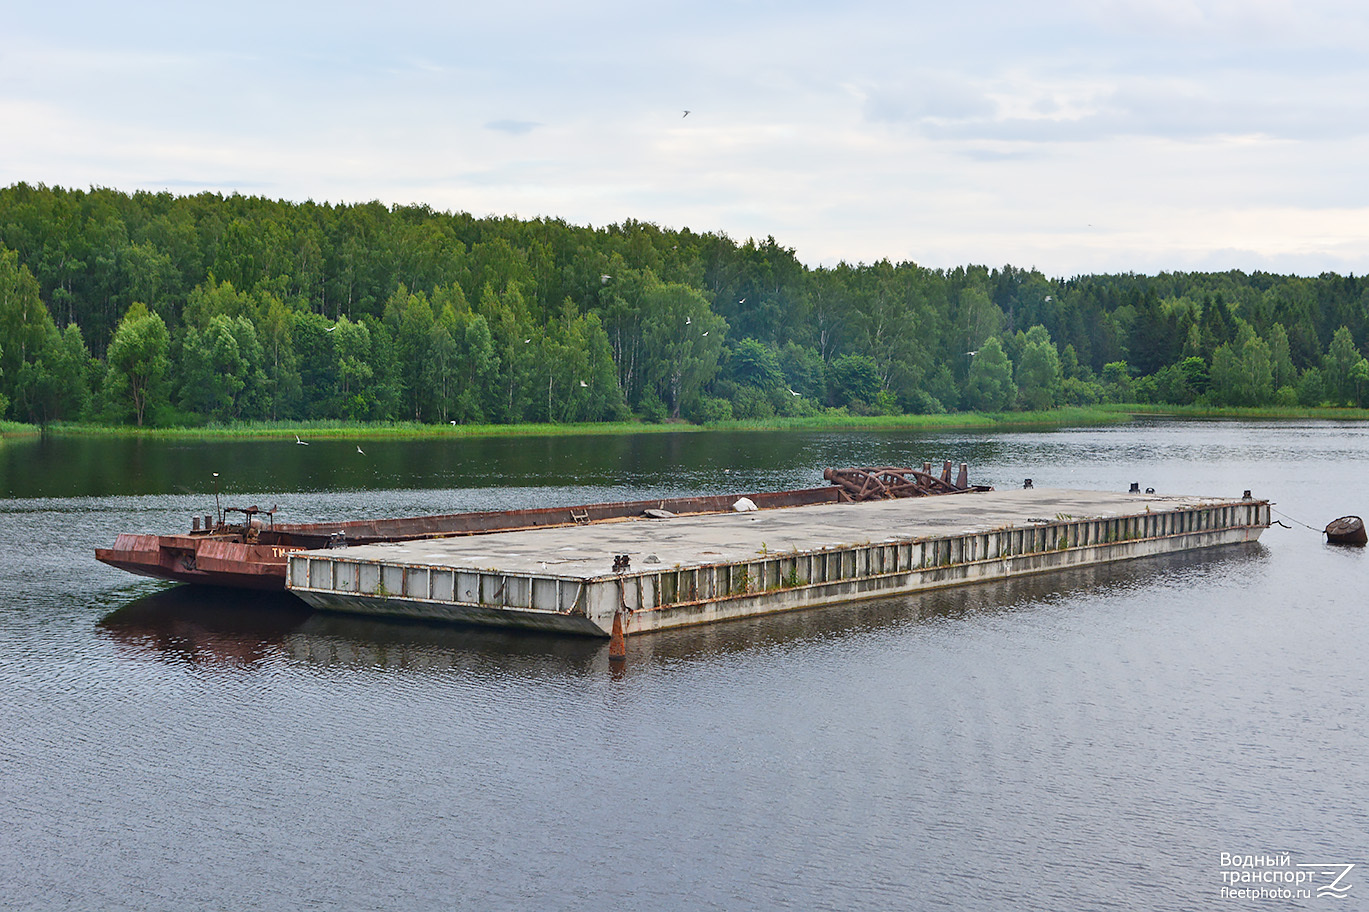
pixel 931 98
pixel 513 127
pixel 1044 109
pixel 976 132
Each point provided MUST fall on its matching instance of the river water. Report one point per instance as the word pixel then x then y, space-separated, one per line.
pixel 1085 740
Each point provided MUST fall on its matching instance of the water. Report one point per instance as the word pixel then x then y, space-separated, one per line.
pixel 1094 739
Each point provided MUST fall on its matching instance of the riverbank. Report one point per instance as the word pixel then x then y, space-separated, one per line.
pixel 1270 412
pixel 334 430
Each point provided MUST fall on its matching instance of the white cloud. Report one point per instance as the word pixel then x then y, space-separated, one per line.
pixel 513 127
pixel 1184 131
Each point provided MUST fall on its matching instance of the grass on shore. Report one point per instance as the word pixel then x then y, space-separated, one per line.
pixel 1070 416
pixel 1272 412
pixel 333 429
pixel 1061 417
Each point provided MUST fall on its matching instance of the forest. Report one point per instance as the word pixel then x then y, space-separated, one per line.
pixel 155 309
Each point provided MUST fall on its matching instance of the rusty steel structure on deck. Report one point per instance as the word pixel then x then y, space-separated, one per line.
pixel 885 482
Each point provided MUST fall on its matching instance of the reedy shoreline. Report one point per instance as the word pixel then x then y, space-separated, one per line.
pixel 324 430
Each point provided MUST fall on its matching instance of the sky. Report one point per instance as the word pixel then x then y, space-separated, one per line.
pixel 1073 137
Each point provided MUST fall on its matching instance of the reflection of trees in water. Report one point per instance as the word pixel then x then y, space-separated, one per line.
pixel 566 469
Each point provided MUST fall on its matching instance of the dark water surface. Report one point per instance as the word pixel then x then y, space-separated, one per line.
pixel 1088 740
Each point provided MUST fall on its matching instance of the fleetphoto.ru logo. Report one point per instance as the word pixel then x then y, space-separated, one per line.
pixel 1278 876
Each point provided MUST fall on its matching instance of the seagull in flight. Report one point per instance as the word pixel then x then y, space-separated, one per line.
pixel 361 451
pixel 792 393
pixel 603 279
pixel 686 114
pixel 583 383
pixel 300 442
pixel 331 328
pixel 688 320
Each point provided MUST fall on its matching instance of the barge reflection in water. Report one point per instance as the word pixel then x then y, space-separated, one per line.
pixel 210 626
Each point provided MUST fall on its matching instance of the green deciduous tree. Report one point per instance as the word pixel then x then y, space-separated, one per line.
pixel 221 370
pixel 513 334
pixel 1038 370
pixel 683 339
pixel 356 393
pixel 409 318
pixel 1117 382
pixel 54 386
pixel 853 381
pixel 1280 353
pixel 582 382
pixel 1242 370
pixel 756 364
pixel 26 327
pixel 1338 367
pixel 275 330
pixel 138 363
pixel 989 386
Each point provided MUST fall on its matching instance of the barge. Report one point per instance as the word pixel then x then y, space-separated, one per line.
pixel 663 571
pixel 250 552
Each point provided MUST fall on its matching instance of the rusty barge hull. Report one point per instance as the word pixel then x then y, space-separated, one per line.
pixel 201 559
pixel 253 555
pixel 241 557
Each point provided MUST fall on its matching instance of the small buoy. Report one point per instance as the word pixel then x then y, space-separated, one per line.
pixel 744 505
pixel 1348 530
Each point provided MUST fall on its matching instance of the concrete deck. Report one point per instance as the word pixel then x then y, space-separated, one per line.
pixel 746 558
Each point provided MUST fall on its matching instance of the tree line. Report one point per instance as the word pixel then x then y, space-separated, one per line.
pixel 152 308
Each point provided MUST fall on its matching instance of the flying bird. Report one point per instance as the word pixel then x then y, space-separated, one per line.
pixel 688 320
pixel 361 451
pixel 705 332
pixel 331 328
pixel 583 383
pixel 300 442
pixel 792 393
pixel 603 279
pixel 686 114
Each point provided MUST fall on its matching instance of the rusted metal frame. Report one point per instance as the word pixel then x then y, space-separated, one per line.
pixel 884 482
